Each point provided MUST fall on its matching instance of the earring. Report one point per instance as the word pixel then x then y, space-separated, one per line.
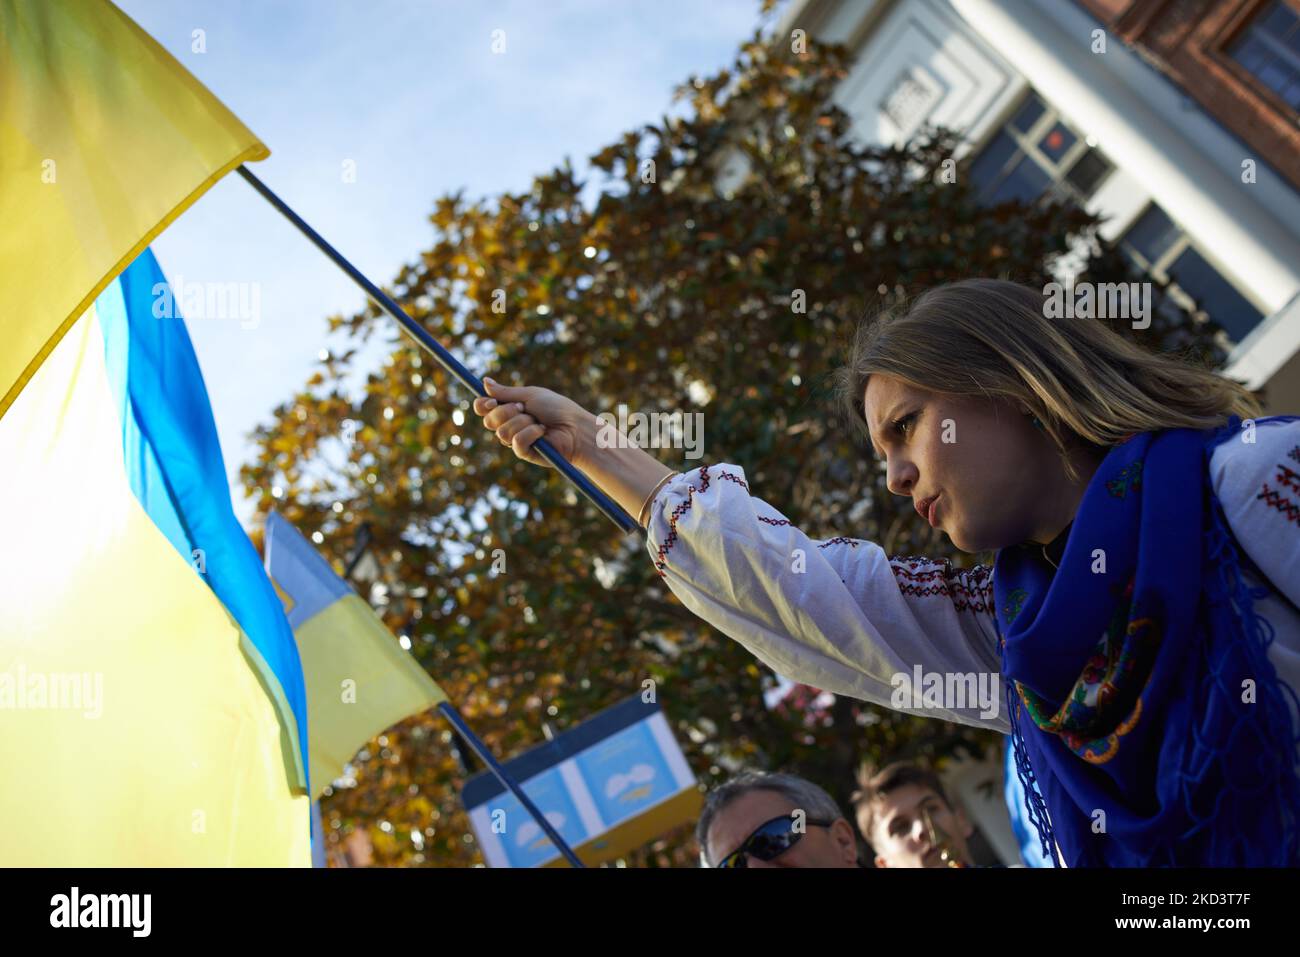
pixel 1035 421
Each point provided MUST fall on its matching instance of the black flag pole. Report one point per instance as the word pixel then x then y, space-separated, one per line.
pixel 448 711
pixel 450 363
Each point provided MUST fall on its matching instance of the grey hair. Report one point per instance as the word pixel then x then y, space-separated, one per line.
pixel 805 796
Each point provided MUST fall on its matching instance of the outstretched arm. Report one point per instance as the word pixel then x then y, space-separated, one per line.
pixel 837 614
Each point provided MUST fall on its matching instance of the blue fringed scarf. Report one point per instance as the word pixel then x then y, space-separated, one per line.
pixel 1126 672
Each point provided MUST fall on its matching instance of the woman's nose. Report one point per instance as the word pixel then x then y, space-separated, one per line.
pixel 901 478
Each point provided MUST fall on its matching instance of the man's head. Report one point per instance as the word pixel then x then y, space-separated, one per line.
pixel 782 808
pixel 904 815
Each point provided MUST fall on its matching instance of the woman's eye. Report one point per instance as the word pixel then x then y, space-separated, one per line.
pixel 901 425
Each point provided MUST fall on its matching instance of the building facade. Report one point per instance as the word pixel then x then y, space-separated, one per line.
pixel 1174 120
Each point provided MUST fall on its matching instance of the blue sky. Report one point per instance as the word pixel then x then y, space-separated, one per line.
pixel 413 94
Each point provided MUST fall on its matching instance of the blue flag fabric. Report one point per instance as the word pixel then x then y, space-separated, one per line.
pixel 175 468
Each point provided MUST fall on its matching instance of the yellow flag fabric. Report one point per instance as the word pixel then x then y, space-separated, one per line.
pixel 359 683
pixel 104 140
pixel 359 679
pixel 133 728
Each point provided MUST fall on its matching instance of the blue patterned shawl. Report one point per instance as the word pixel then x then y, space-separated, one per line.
pixel 1147 720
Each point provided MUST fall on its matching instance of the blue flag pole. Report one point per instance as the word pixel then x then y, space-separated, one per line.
pixel 451 714
pixel 450 363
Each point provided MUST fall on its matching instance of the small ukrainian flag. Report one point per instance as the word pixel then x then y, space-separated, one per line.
pixel 359 679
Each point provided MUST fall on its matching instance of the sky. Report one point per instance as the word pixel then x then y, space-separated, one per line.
pixel 371 111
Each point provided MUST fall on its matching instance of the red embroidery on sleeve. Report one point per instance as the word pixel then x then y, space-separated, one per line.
pixel 1287 479
pixel 1275 499
pixel 732 477
pixel 678 512
pixel 967 589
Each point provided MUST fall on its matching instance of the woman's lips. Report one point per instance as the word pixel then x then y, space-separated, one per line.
pixel 928 508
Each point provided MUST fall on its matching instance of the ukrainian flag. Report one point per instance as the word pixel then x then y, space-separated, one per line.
pixel 152 705
pixel 104 140
pixel 359 679
pixel 156 707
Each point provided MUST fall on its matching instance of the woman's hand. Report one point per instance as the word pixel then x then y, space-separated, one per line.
pixel 520 415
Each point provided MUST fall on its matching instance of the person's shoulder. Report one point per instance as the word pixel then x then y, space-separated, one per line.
pixel 1255 475
pixel 1246 456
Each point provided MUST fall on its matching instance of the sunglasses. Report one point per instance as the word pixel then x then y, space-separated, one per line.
pixel 769 840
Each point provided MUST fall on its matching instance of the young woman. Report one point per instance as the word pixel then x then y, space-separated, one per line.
pixel 1141 611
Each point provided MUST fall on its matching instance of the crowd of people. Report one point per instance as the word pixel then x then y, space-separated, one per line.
pixel 902 811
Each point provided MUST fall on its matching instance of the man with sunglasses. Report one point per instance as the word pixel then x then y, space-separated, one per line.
pixel 774 820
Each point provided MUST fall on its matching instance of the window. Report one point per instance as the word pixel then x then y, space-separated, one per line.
pixel 1269 48
pixel 1037 153
pixel 1160 248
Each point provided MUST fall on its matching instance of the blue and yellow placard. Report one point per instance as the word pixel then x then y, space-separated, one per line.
pixel 609 785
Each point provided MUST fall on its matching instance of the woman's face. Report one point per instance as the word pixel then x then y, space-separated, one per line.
pixel 993 477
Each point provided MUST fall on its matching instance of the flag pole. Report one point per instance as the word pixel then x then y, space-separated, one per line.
pixel 449 712
pixel 450 363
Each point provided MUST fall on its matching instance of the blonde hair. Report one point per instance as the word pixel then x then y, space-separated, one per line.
pixel 1085 382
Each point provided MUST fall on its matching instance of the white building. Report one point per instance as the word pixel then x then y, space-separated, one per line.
pixel 1048 99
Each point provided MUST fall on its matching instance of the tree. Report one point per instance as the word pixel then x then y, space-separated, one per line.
pixel 673 285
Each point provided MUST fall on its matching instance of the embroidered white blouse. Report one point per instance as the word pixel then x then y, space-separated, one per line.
pixel 846 618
